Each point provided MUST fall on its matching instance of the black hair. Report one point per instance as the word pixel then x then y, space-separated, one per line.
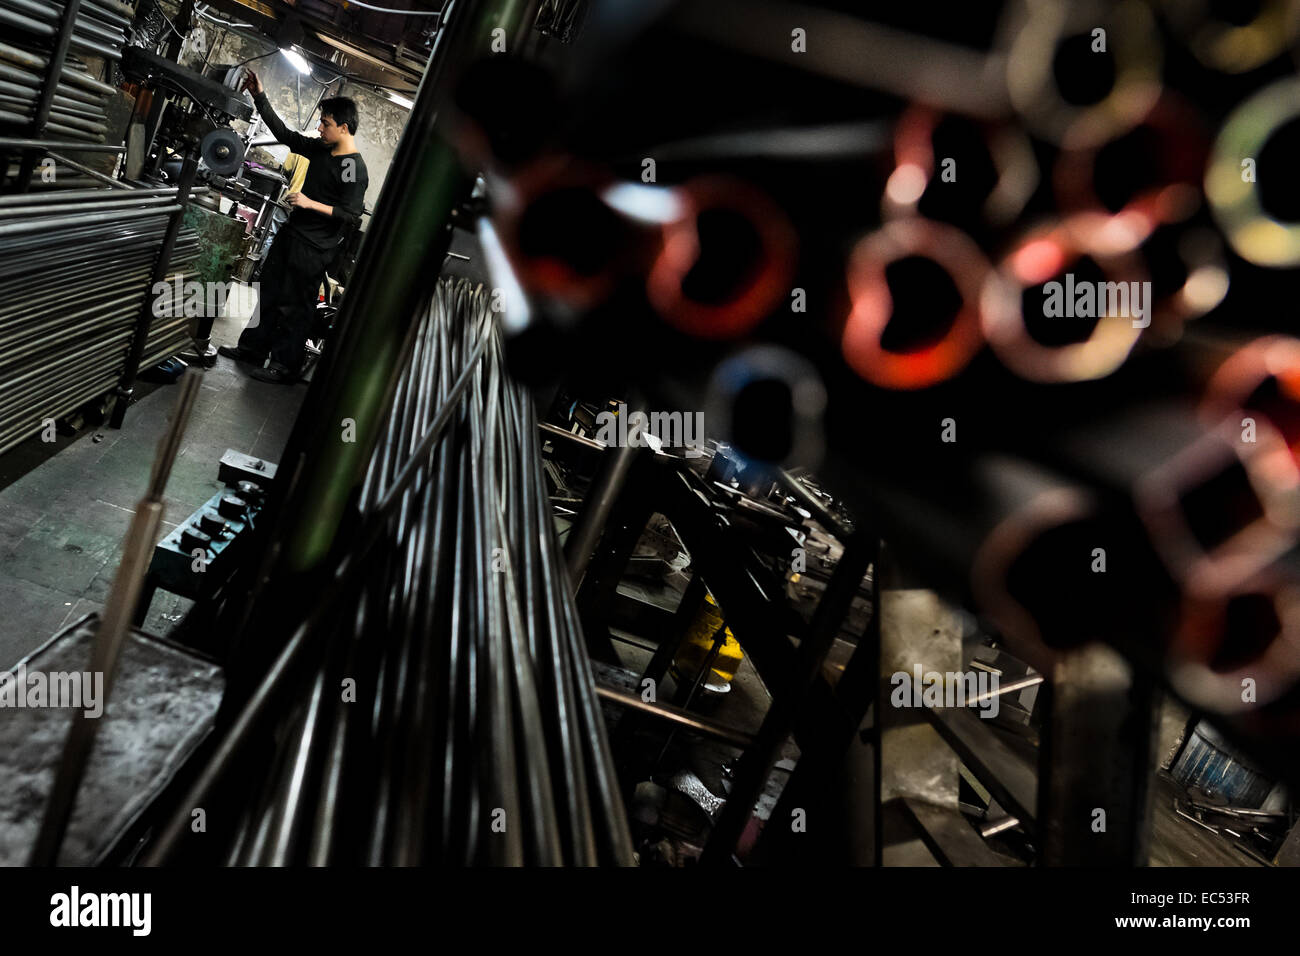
pixel 341 109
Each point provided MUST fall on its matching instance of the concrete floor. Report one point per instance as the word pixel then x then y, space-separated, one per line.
pixel 62 523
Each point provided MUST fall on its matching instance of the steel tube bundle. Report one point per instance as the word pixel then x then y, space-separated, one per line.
pixel 74 270
pixel 41 19
pixel 76 109
pixel 472 733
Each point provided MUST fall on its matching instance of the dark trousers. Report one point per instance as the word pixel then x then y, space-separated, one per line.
pixel 287 296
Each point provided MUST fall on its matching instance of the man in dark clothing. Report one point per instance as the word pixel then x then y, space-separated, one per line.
pixel 330 202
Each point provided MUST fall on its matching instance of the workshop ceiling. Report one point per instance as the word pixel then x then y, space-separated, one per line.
pixel 380 48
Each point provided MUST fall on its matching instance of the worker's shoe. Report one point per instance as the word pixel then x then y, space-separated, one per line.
pixel 236 352
pixel 275 373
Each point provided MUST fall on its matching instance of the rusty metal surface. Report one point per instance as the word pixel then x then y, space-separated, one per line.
pixel 162 706
pixel 222 241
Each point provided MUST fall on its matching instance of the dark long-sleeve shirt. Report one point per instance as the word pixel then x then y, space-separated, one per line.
pixel 337 181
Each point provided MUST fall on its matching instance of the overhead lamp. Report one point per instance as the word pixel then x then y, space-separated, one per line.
pixel 400 100
pixel 297 59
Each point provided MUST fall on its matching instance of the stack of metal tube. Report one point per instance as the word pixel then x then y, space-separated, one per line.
pixel 31 27
pixel 100 29
pixel 74 275
pixel 449 715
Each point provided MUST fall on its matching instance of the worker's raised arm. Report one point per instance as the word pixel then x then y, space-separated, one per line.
pixel 297 142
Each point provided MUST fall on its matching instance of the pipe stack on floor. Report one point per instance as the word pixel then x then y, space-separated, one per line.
pixel 74 269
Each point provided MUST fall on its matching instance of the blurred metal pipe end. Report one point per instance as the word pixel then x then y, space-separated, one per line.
pixel 872 304
pixel 1047 509
pixel 695 285
pixel 1201 254
pixel 1033 34
pixel 1048 254
pixel 1234 198
pixel 1228 46
pixel 1263 528
pixel 1237 648
pixel 770 404
pixel 1182 148
pixel 1261 378
pixel 564 241
pixel 1008 148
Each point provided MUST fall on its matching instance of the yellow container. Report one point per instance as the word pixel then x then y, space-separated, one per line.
pixel 699 642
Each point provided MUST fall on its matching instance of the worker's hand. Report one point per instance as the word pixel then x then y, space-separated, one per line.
pixel 252 82
pixel 299 201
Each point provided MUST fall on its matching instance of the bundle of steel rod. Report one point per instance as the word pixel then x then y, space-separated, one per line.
pixel 99 29
pixel 60 177
pixel 448 713
pixel 77 112
pixel 74 271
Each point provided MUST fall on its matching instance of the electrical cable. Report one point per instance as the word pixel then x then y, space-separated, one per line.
pixel 180 88
pixel 199 9
pixel 158 5
pixel 409 13
pixel 260 56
